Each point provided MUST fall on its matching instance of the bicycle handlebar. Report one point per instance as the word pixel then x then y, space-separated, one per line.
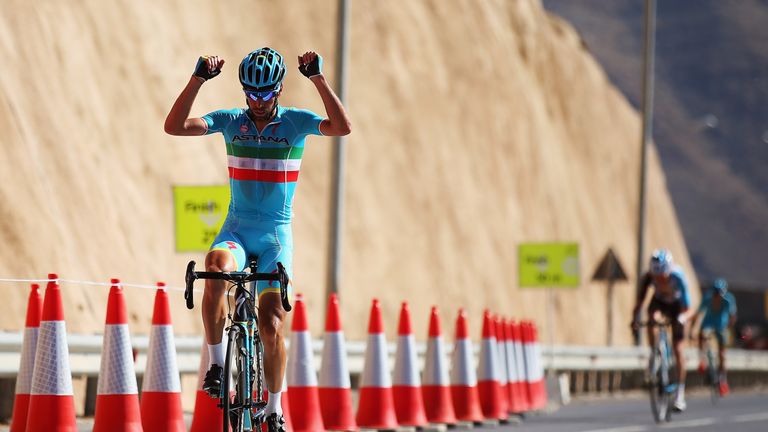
pixel 239 278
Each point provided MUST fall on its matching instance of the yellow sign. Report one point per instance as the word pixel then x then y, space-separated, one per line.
pixel 548 265
pixel 199 213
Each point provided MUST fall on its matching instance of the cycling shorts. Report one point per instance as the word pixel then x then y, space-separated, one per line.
pixel 671 311
pixel 717 330
pixel 268 242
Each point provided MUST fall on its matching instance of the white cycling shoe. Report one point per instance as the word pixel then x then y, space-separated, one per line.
pixel 679 405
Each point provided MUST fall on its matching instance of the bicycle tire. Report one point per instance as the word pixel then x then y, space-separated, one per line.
pixel 659 380
pixel 714 379
pixel 231 415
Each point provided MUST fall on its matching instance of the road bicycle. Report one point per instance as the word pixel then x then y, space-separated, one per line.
pixel 242 387
pixel 660 387
pixel 711 372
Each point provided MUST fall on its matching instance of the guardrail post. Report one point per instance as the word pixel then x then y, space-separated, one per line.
pixel 91 390
pixel 7 391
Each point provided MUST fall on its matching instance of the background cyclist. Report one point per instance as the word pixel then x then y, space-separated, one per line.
pixel 719 309
pixel 264 144
pixel 670 299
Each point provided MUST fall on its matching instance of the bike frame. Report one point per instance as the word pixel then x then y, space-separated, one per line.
pixel 240 411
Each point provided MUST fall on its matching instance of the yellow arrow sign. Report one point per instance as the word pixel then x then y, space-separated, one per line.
pixel 199 213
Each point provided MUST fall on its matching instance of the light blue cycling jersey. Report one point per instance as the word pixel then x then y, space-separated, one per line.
pixel 263 171
pixel 263 165
pixel 717 318
pixel 679 285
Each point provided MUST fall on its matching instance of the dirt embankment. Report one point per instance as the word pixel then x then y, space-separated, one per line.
pixel 477 126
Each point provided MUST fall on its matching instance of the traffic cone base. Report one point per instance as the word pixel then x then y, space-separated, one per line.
pixel 208 416
pixel 490 395
pixel 466 404
pixel 339 414
pixel 376 410
pixel 56 414
pixel 409 408
pixel 123 412
pixel 306 398
pixel 166 413
pixel 440 407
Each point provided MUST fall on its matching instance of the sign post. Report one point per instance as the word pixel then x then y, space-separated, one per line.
pixel 549 265
pixel 199 213
pixel 609 270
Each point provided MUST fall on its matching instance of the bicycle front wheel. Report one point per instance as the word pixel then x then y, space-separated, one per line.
pixel 231 403
pixel 659 381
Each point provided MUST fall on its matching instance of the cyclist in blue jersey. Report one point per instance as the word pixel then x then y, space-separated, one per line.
pixel 670 299
pixel 264 143
pixel 719 309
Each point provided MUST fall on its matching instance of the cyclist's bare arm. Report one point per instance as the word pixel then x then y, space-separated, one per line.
pixel 337 123
pixel 645 283
pixel 178 122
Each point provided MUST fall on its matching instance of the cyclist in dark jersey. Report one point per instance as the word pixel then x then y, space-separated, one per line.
pixel 672 300
pixel 264 143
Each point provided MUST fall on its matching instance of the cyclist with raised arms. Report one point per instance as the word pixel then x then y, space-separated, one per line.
pixel 670 299
pixel 264 143
pixel 719 309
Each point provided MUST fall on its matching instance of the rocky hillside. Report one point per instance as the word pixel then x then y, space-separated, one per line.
pixel 476 126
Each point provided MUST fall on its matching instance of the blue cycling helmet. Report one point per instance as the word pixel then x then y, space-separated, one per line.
pixel 720 286
pixel 661 262
pixel 262 70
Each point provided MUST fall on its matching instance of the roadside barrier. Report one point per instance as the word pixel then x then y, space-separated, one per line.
pixel 488 371
pixel 161 389
pixel 436 385
pixel 302 381
pixel 406 384
pixel 466 401
pixel 516 405
pixel 27 363
pixel 375 409
pixel 207 415
pixel 117 400
pixel 335 388
pixel 501 351
pixel 52 403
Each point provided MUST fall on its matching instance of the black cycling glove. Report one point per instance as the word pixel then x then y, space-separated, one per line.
pixel 201 69
pixel 315 67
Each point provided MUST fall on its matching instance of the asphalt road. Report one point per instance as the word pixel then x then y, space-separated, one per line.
pixel 742 412
pixel 746 412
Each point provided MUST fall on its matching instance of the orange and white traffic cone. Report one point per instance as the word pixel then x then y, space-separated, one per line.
pixel 466 401
pixel 501 351
pixel 375 409
pixel 537 385
pixel 117 397
pixel 436 385
pixel 516 405
pixel 335 387
pixel 26 366
pixel 406 384
pixel 207 415
pixel 488 371
pixel 161 389
pixel 302 382
pixel 52 403
pixel 523 403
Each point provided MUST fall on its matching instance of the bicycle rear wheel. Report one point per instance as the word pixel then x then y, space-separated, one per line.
pixel 713 378
pixel 659 383
pixel 232 404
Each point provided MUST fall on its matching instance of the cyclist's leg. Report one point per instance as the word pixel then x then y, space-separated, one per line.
pixel 277 246
pixel 226 254
pixel 720 335
pixel 652 314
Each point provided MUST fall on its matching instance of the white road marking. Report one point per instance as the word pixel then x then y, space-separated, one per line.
pixel 636 428
pixel 749 417
pixel 690 423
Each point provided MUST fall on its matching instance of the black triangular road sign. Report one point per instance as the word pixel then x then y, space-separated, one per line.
pixel 609 268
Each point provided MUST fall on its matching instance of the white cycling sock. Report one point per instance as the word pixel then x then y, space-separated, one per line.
pixel 216 354
pixel 273 404
pixel 680 391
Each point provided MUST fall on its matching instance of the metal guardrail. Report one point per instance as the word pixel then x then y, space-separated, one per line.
pixel 85 355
